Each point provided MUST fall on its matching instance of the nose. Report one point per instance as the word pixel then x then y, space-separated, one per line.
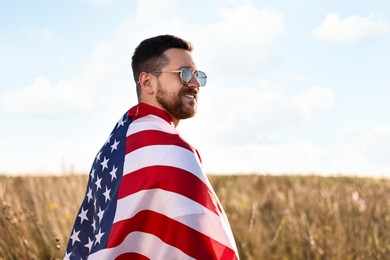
pixel 194 82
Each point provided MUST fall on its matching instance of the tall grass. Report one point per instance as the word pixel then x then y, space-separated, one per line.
pixel 36 215
pixel 272 217
pixel 295 217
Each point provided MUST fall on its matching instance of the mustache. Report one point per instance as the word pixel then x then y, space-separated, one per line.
pixel 188 90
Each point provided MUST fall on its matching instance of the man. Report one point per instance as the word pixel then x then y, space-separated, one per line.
pixel 147 194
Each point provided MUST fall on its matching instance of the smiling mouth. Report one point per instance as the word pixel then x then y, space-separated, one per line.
pixel 190 96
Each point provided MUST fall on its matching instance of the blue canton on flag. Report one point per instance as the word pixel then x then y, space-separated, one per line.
pixel 96 214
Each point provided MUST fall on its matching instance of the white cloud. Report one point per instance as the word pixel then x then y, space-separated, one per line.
pixel 54 156
pixel 248 24
pixel 351 29
pixel 105 67
pixel 44 35
pixel 102 81
pixel 366 153
pixel 296 157
pixel 241 115
pixel 368 147
pixel 313 102
pixel 44 98
pixel 66 157
pixel 105 76
pixel 235 42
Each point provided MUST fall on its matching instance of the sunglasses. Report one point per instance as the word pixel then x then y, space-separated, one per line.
pixel 186 75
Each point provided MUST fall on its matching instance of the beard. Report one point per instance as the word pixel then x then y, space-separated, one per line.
pixel 173 102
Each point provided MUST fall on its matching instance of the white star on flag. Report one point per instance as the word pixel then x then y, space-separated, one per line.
pixel 120 122
pixel 100 214
pixel 93 174
pixel 109 139
pixel 98 236
pixel 89 194
pixel 107 194
pixel 114 146
pixel 104 163
pixel 67 256
pixel 113 172
pixel 98 156
pixel 97 183
pixel 75 236
pixel 83 215
pixel 93 225
pixel 89 244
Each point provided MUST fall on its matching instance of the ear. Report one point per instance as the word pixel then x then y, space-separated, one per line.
pixel 146 83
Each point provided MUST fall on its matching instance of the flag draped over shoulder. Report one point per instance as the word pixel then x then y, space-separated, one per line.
pixel 148 198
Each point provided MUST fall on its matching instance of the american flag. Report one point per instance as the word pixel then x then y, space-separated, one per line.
pixel 148 198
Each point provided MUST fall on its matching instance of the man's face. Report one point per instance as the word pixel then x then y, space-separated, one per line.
pixel 178 99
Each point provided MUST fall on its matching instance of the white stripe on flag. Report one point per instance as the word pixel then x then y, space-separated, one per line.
pixel 150 122
pixel 179 208
pixel 142 243
pixel 166 155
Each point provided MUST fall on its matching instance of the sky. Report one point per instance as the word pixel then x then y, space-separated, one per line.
pixel 294 87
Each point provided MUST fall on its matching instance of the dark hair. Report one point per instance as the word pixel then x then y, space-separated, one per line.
pixel 148 56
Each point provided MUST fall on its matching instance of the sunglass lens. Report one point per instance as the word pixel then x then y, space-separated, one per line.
pixel 201 78
pixel 186 75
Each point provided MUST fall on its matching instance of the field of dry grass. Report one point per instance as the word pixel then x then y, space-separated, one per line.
pixel 273 217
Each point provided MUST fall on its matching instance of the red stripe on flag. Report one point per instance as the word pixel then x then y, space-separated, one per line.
pixel 172 232
pixel 170 179
pixel 154 137
pixel 133 256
